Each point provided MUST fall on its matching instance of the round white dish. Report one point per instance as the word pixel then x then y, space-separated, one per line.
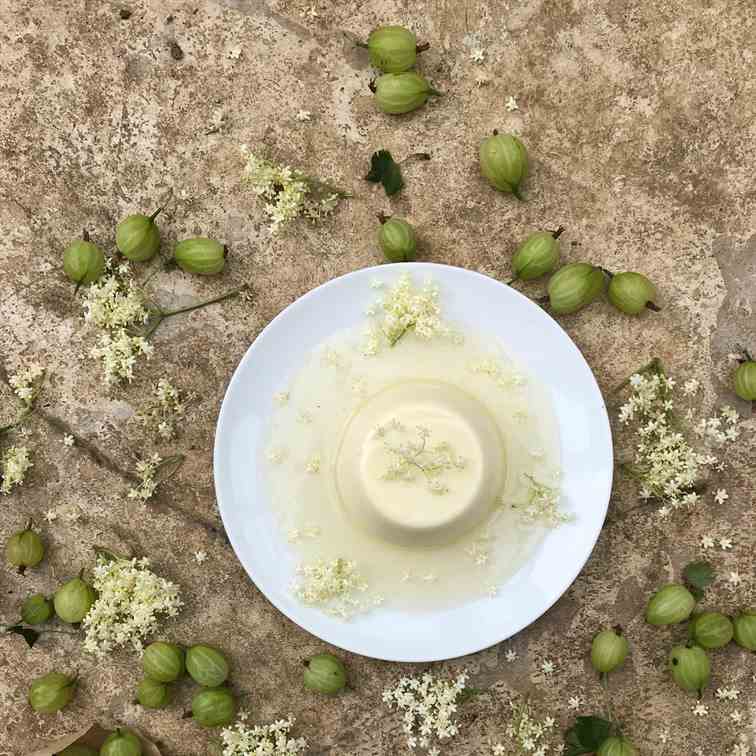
pixel 536 342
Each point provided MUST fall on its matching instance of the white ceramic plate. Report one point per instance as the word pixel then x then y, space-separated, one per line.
pixel 532 338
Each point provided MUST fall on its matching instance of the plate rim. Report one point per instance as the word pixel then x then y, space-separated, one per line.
pixel 413 267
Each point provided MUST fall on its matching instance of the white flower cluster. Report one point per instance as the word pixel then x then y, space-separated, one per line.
pixel 130 599
pixel 146 470
pixel 667 465
pixel 266 740
pixel 336 587
pixel 163 410
pixel 25 383
pixel 405 308
pixel 529 733
pixel 429 705
pixel 116 305
pixel 407 457
pixel 505 378
pixel 14 465
pixel 542 506
pixel 288 193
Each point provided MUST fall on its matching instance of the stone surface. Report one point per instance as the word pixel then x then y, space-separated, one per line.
pixel 639 119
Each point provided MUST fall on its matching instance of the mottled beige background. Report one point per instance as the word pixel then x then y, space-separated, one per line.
pixel 639 117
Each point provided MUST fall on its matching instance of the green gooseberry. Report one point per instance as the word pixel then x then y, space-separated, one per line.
pixel 206 665
pixel 200 255
pixel 163 662
pixel 398 93
pixel 214 707
pixel 397 240
pixel 537 255
pixel 690 667
pixel 36 609
pixel 24 549
pixel 51 692
pixel 745 380
pixel 669 605
pixel 122 742
pixel 504 162
pixel 608 651
pixel 325 673
pixel 73 600
pixel 138 237
pixel 745 629
pixel 574 286
pixel 153 694
pixel 711 629
pixel 83 262
pixel 631 293
pixel 392 49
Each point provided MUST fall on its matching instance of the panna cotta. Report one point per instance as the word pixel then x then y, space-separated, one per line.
pixel 420 463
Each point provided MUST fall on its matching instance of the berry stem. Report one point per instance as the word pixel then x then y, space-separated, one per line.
pixel 556 234
pixel 422 47
pixel 653 307
pixel 518 194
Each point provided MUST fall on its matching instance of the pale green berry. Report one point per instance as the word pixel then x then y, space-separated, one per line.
pixel 711 629
pixel 398 93
pixel 73 600
pixel 671 604
pixel 51 692
pixel 83 262
pixel 608 651
pixel 745 381
pixel 504 162
pixel 163 662
pixel 206 665
pixel 138 237
pixel 36 609
pixel 122 742
pixel 745 629
pixel 24 549
pixel 537 255
pixel 690 667
pixel 214 707
pixel 325 673
pixel 397 240
pixel 200 255
pixel 153 694
pixel 617 746
pixel 574 286
pixel 393 49
pixel 631 293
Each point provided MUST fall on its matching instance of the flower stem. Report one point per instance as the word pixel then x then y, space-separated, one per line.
pixel 393 342
pixel 161 315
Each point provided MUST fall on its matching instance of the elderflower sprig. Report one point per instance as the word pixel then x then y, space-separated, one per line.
pixel 130 600
pixel 152 472
pixel 274 739
pixel 161 413
pixel 14 464
pixel 288 193
pixel 668 466
pixel 429 705
pixel 119 307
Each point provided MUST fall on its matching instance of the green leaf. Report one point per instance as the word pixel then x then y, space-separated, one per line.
pixel 27 633
pixel 384 170
pixel 698 575
pixel 586 735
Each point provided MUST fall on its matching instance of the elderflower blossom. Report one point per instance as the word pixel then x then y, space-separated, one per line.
pixel 287 192
pixel 115 301
pixel 528 733
pixel 25 383
pixel 429 705
pixel 261 740
pixel 14 464
pixel 406 307
pixel 130 598
pixel 542 506
pixel 336 587
pixel 146 471
pixel 161 412
pixel 666 464
pixel 119 354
